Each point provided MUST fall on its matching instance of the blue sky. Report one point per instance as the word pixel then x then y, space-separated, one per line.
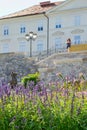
pixel 11 6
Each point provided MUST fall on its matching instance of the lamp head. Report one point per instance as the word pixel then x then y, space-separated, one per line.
pixel 27 37
pixel 31 34
pixel 34 36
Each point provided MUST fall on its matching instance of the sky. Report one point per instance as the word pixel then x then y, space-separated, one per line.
pixel 11 6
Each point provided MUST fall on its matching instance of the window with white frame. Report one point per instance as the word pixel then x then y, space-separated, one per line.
pixel 77 39
pixel 22 29
pixel 22 46
pixel 58 43
pixel 77 20
pixel 5 31
pixel 40 26
pixel 5 48
pixel 40 46
pixel 58 23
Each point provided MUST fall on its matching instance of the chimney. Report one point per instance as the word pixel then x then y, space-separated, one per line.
pixel 45 3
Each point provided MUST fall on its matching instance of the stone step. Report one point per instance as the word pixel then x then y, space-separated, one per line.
pixel 65 63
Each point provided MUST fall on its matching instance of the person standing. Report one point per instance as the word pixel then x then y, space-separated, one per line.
pixel 68 44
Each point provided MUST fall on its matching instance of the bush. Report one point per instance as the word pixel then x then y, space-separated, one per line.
pixel 30 77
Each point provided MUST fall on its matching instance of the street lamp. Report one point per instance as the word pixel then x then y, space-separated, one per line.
pixel 29 37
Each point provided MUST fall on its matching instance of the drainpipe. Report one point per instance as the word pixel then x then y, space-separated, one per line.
pixel 47 33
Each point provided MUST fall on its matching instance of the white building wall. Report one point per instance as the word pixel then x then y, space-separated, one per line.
pixel 68 25
pixel 68 29
pixel 15 37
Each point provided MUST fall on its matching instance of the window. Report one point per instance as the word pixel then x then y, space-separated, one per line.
pixel 77 20
pixel 77 39
pixel 40 46
pixel 58 23
pixel 22 46
pixel 58 43
pixel 5 48
pixel 22 29
pixel 6 31
pixel 40 26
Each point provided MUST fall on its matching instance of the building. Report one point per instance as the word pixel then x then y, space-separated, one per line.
pixel 53 23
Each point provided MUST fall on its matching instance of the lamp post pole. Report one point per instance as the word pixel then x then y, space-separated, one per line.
pixel 31 36
pixel 30 47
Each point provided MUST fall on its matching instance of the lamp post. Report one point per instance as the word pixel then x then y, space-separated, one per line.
pixel 31 37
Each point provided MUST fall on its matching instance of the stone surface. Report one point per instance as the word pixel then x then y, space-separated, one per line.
pixel 65 63
pixel 17 63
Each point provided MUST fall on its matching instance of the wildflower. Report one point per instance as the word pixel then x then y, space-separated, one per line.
pixel 67 78
pixel 77 84
pixel 79 109
pixel 59 75
pixel 39 110
pixel 83 84
pixel 17 91
pixel 81 76
pixel 76 81
pixel 72 104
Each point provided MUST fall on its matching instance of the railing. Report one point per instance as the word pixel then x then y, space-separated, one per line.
pixel 78 42
pixel 74 47
pixel 43 54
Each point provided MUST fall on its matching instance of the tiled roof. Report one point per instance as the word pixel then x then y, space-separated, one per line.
pixel 36 9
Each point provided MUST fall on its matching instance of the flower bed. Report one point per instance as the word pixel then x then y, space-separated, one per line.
pixel 59 106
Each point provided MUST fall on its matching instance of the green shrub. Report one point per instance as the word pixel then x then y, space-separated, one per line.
pixel 30 77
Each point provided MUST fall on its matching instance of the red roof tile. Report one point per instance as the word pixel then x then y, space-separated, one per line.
pixel 36 9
